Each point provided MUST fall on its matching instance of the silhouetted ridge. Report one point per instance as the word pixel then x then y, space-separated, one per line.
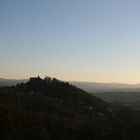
pixel 47 85
pixel 56 89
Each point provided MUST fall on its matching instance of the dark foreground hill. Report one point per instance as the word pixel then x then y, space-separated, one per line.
pixel 49 109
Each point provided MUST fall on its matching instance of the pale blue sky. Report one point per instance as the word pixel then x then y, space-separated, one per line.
pixel 82 40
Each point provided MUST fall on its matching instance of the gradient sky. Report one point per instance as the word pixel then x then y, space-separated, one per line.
pixel 82 40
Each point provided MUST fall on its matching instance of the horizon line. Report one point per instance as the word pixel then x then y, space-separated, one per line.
pixel 112 82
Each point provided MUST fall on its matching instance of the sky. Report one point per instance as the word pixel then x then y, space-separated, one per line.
pixel 73 40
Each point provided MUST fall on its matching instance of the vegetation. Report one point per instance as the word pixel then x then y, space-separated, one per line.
pixel 49 109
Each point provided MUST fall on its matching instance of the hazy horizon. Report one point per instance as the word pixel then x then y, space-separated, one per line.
pixel 76 40
pixel 27 78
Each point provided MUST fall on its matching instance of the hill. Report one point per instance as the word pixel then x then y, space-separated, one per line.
pixel 50 109
pixel 107 87
pixel 131 99
pixel 10 82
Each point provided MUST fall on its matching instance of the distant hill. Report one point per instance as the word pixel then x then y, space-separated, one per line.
pixel 11 82
pixel 125 98
pixel 105 87
pixel 124 94
pixel 120 97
